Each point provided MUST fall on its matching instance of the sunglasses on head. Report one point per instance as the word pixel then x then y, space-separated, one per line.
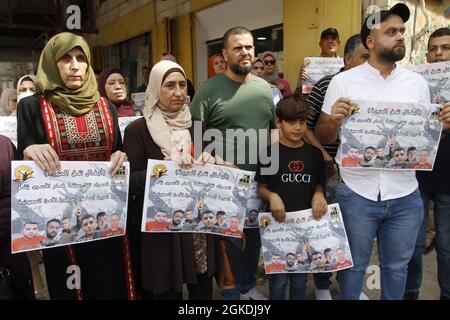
pixel 270 62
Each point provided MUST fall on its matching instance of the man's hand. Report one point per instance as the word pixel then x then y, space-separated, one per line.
pixel 303 74
pixel 117 160
pixel 319 205
pixel 444 115
pixel 341 109
pixel 277 207
pixel 44 156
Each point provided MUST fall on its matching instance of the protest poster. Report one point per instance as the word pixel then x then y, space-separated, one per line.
pixel 124 122
pixel 304 245
pixel 254 206
pixel 390 136
pixel 202 199
pixel 8 128
pixel 438 77
pixel 138 99
pixel 317 68
pixel 80 203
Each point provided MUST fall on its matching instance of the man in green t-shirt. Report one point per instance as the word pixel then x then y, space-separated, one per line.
pixel 240 106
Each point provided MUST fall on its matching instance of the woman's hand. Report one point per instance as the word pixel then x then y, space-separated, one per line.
pixel 205 158
pixel 117 160
pixel 182 159
pixel 44 156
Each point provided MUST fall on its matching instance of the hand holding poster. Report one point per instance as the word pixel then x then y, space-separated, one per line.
pixel 438 77
pixel 80 203
pixel 304 245
pixel 391 136
pixel 8 128
pixel 317 68
pixel 202 199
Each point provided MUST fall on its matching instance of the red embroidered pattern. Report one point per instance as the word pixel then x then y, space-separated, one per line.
pixel 78 138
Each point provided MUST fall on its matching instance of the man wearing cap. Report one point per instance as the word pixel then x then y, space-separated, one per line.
pixel 377 203
pixel 329 43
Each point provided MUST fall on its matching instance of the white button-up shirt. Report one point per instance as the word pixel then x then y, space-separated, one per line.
pixel 366 83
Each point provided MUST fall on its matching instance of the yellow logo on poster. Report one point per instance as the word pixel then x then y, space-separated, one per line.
pixel 23 173
pixel 355 108
pixel 159 171
pixel 265 222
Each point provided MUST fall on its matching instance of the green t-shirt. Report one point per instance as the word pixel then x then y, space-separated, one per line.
pixel 224 104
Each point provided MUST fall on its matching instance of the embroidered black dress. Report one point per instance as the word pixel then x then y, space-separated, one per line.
pixel 106 271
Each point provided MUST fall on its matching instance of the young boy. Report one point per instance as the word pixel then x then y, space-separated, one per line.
pixel 298 184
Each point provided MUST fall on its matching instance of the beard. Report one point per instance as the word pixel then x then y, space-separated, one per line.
pixel 393 55
pixel 242 71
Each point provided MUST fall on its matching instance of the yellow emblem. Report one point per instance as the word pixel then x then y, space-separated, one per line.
pixel 159 171
pixel 23 173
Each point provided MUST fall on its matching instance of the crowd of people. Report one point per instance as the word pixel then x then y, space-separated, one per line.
pixel 244 91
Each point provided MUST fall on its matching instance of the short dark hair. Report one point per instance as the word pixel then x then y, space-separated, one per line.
pixel 53 220
pixel 352 43
pixel 369 148
pixel 220 213
pixel 441 32
pixel 326 251
pixel 293 108
pixel 233 31
pixel 101 214
pixel 29 222
pixel 412 149
pixel 86 216
pixel 290 254
pixel 145 68
pixel 182 212
pixel 399 149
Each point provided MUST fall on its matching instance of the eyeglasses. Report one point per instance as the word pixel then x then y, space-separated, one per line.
pixel 270 62
pixel 258 68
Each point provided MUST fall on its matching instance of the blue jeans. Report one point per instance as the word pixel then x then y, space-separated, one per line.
pixel 231 294
pixel 442 241
pixel 278 283
pixel 249 260
pixel 395 223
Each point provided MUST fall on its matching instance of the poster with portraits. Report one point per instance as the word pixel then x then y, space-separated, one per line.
pixel 317 68
pixel 80 203
pixel 8 128
pixel 390 136
pixel 254 206
pixel 124 122
pixel 304 245
pixel 201 199
pixel 138 99
pixel 438 77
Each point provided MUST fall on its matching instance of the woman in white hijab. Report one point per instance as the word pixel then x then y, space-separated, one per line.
pixel 8 103
pixel 26 86
pixel 166 132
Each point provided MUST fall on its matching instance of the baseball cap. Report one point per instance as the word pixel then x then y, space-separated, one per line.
pixel 329 31
pixel 399 9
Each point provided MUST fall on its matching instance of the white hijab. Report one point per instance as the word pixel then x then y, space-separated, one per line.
pixel 161 123
pixel 26 94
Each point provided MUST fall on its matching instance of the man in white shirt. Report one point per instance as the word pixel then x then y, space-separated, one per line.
pixel 377 203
